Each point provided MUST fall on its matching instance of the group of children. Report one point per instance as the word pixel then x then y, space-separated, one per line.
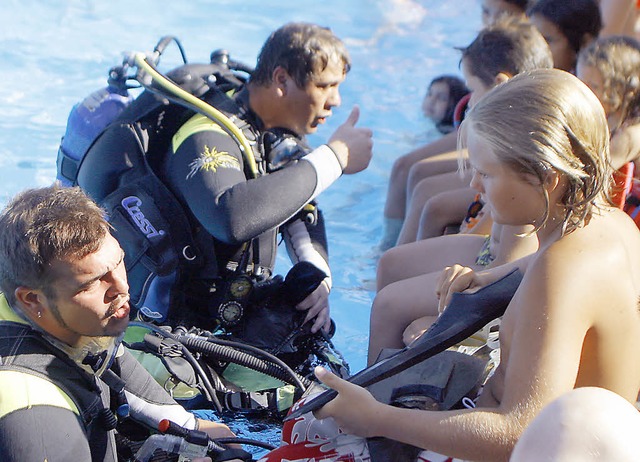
pixel 544 169
pixel 438 200
pixel 538 151
pixel 529 181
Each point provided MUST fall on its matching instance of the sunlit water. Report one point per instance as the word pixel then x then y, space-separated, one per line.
pixel 54 52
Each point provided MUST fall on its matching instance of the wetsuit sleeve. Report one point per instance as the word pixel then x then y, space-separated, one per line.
pixel 207 171
pixel 42 433
pixel 306 239
pixel 149 403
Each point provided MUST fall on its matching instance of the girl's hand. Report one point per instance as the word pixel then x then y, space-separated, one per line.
pixel 453 279
pixel 355 410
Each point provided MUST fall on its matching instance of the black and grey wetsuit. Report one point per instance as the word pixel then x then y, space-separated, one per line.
pixel 50 407
pixel 206 171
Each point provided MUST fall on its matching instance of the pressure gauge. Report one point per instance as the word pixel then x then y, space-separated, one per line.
pixel 230 313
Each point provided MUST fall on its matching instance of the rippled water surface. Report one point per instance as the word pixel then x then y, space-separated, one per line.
pixel 54 53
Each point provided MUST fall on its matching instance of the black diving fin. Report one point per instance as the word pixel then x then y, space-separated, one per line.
pixel 466 314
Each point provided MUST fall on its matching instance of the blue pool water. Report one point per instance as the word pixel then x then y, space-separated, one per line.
pixel 54 52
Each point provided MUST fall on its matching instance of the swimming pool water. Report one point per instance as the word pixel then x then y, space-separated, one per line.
pixel 55 52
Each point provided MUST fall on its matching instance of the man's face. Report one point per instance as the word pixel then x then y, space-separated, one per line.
pixel 311 105
pixel 89 296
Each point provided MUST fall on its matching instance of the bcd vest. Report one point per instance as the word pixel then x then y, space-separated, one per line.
pixel 24 350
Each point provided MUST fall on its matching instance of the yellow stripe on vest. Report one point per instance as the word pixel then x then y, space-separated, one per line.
pixel 7 313
pixel 20 390
pixel 197 123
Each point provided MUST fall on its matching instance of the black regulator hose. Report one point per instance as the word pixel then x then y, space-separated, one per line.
pixel 247 441
pixel 302 382
pixel 273 367
pixel 206 383
pixel 162 44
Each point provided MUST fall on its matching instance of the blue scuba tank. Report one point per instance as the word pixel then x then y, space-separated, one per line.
pixel 86 121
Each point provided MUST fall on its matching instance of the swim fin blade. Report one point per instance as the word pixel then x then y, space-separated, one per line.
pixel 466 314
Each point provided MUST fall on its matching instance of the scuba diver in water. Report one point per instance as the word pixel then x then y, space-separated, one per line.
pixel 201 172
pixel 290 93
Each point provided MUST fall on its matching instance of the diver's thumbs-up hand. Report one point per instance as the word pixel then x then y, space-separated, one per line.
pixel 355 410
pixel 352 145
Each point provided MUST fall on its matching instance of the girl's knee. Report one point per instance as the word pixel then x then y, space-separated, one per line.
pixel 401 167
pixel 379 308
pixel 384 309
pixel 386 268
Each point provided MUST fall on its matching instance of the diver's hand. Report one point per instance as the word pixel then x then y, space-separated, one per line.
pixel 317 306
pixel 355 410
pixel 215 429
pixel 453 279
pixel 352 145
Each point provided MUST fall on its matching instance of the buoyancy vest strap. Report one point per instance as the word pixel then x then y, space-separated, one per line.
pixel 197 123
pixel 201 106
pixel 21 390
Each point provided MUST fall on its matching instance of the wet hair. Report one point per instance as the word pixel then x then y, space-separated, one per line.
pixel 574 18
pixel 457 90
pixel 617 58
pixel 42 225
pixel 304 50
pixel 548 120
pixel 511 45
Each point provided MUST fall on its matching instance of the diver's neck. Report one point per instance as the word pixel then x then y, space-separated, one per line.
pixel 266 102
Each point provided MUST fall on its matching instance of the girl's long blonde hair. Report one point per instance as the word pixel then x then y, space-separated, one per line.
pixel 548 119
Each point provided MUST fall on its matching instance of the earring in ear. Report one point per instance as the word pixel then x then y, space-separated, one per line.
pixel 39 314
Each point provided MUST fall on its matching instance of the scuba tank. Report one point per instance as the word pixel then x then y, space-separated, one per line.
pixel 88 119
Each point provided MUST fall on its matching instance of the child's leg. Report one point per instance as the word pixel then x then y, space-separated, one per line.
pixel 394 208
pixel 443 210
pixel 396 306
pixel 417 328
pixel 422 193
pixel 437 165
pixel 399 303
pixel 426 256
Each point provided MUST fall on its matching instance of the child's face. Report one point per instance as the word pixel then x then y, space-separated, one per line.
pixel 564 57
pixel 512 199
pixel 475 85
pixel 436 101
pixel 492 9
pixel 592 77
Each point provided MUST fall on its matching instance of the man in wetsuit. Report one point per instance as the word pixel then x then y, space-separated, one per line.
pixel 63 309
pixel 237 214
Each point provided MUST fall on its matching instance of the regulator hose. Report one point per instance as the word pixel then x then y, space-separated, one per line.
pixel 229 353
pixel 208 388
